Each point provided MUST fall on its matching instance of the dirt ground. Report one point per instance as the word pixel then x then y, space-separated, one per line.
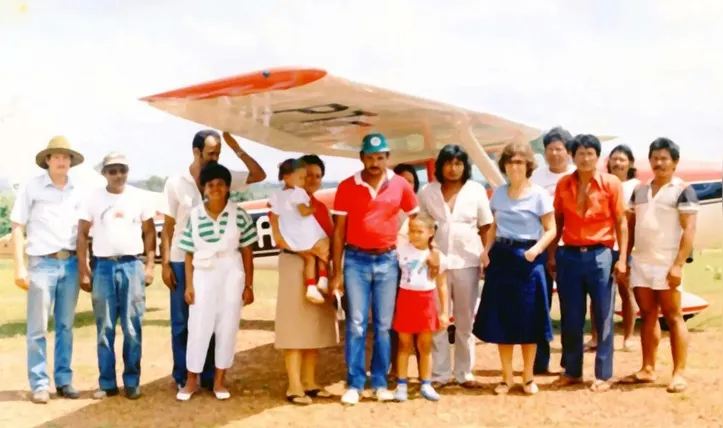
pixel 257 384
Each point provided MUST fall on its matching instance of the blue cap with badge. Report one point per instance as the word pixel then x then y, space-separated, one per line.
pixel 374 143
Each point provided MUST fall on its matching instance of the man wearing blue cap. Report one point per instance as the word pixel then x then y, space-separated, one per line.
pixel 366 207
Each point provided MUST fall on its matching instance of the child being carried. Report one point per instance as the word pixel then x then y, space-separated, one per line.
pixel 299 229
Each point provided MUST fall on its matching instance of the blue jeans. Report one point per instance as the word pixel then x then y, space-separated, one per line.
pixel 542 356
pixel 119 291
pixel 53 284
pixel 179 332
pixel 369 279
pixel 579 274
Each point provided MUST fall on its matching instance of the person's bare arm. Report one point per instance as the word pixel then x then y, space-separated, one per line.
pixel 443 293
pixel 276 233
pixel 169 225
pixel 337 251
pixel 84 272
pixel 21 271
pixel 188 267
pixel 549 234
pixel 149 247
pixel 256 172
pixel 247 258
pixel 306 210
pixel 688 223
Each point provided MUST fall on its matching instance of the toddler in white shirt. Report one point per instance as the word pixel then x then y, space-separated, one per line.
pixel 299 229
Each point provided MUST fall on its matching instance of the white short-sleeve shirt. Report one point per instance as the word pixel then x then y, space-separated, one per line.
pixel 547 179
pixel 299 232
pixel 458 230
pixel 117 221
pixel 182 194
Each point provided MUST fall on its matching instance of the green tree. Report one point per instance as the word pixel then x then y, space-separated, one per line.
pixel 4 217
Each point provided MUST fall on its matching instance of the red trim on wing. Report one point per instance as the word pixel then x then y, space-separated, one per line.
pixel 274 79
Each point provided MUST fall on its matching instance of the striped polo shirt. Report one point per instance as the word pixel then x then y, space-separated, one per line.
pixel 211 230
pixel 657 220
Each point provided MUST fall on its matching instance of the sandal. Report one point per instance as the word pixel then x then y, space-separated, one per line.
pixel 565 380
pixel 635 378
pixel 318 393
pixel 471 384
pixel 530 387
pixel 300 400
pixel 503 388
pixel 589 346
pixel 677 386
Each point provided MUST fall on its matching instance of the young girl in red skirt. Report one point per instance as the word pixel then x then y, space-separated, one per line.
pixel 416 311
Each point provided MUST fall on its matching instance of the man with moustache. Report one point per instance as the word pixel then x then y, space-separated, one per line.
pixel 590 217
pixel 182 193
pixel 662 219
pixel 46 207
pixel 123 232
pixel 462 211
pixel 557 156
pixel 366 207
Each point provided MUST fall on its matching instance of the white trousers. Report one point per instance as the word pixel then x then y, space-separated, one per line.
pixel 216 310
pixel 464 295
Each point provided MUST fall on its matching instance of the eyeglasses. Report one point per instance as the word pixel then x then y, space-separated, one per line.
pixel 116 170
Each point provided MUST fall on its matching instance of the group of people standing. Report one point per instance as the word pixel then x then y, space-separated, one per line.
pixel 409 258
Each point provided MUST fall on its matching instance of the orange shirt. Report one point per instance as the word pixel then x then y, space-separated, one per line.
pixel 593 221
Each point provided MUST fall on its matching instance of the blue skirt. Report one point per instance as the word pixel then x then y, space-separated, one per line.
pixel 513 309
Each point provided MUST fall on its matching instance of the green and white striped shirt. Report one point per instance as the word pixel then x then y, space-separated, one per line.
pixel 211 230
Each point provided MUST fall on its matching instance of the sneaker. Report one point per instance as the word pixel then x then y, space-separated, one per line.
pixel 40 397
pixel 105 393
pixel 401 393
pixel 313 295
pixel 429 393
pixel 133 392
pixel 67 391
pixel 350 397
pixel 323 284
pixel 383 394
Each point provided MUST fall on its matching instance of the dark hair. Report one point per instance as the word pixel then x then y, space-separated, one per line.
pixel 199 140
pixel 448 153
pixel 586 141
pixel 518 148
pixel 212 171
pixel 289 166
pixel 314 160
pixel 405 167
pixel 663 143
pixel 624 149
pixel 557 133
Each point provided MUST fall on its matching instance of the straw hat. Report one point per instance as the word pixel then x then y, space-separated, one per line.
pixel 58 144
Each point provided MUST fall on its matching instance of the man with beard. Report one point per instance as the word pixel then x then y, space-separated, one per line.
pixel 366 207
pixel 183 192
pixel 662 221
pixel 590 217
pixel 123 230
pixel 557 156
pixel 461 209
pixel 47 209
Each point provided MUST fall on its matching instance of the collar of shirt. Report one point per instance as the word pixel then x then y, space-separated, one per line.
pixel 359 182
pixel 48 182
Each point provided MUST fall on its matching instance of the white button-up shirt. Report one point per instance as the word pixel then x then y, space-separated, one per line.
pixel 458 229
pixel 49 214
pixel 182 194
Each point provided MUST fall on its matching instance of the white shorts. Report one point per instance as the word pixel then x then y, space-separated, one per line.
pixel 651 276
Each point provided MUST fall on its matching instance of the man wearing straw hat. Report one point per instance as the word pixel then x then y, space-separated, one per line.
pixel 46 209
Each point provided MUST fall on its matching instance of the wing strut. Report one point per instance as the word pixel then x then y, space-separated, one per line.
pixel 481 159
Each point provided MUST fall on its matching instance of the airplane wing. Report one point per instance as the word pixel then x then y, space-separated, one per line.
pixel 309 110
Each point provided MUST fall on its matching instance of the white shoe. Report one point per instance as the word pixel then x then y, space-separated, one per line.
pixel 350 397
pixel 313 295
pixel 383 394
pixel 184 396
pixel 223 395
pixel 323 284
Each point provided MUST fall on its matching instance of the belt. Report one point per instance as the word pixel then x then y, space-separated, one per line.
pixel 119 258
pixel 371 250
pixel 61 255
pixel 523 243
pixel 584 248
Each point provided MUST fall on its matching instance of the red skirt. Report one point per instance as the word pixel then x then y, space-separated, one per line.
pixel 416 312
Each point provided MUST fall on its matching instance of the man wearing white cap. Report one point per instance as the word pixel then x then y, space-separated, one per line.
pixel 47 209
pixel 123 233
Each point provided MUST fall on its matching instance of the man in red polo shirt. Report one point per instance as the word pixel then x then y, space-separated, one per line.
pixel 590 216
pixel 366 207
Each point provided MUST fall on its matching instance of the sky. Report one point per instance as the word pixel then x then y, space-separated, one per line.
pixel 637 70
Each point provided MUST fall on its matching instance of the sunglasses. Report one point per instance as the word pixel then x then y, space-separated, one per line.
pixel 116 170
